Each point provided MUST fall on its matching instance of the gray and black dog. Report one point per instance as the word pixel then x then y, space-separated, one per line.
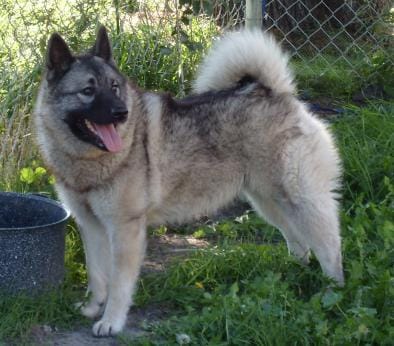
pixel 125 158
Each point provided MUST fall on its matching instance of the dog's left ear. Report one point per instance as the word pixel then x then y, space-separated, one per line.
pixel 102 47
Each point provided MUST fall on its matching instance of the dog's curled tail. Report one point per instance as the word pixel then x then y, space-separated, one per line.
pixel 249 54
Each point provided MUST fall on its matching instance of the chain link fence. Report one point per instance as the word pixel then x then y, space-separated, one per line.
pixel 356 34
pixel 159 43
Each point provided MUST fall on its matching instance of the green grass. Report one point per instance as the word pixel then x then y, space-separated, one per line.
pixel 339 80
pixel 323 77
pixel 257 294
pixel 22 313
pixel 366 140
pixel 240 293
pixel 246 289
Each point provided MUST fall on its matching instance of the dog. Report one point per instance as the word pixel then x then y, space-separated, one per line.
pixel 125 158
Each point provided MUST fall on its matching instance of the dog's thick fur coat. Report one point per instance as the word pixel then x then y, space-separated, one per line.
pixel 242 132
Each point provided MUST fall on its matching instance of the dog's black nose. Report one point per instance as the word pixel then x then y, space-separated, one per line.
pixel 119 113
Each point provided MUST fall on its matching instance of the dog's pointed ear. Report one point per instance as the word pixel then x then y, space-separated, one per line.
pixel 59 57
pixel 102 47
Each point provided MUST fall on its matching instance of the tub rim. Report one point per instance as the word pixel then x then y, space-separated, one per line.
pixel 40 198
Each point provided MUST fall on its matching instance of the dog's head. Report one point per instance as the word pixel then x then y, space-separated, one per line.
pixel 87 91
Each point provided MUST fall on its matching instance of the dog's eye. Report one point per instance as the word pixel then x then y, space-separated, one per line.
pixel 88 91
pixel 115 88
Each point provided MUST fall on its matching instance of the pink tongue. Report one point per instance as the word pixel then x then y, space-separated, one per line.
pixel 109 136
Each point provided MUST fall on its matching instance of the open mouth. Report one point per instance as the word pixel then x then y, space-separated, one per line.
pixel 107 134
pixel 104 136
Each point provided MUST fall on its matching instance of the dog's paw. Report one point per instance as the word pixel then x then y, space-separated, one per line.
pixel 91 310
pixel 106 328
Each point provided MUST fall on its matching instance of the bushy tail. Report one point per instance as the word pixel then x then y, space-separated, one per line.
pixel 248 53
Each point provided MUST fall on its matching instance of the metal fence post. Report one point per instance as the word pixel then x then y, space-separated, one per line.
pixel 253 14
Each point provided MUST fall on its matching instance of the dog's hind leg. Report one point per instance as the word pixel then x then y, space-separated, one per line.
pixel 275 215
pixel 317 220
pixel 300 180
pixel 306 225
pixel 306 191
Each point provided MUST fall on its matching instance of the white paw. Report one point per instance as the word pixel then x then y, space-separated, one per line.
pixel 107 328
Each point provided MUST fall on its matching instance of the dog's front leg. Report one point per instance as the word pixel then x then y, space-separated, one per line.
pixel 127 251
pixel 97 249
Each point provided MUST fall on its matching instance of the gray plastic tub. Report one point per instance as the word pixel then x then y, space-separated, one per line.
pixel 32 237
